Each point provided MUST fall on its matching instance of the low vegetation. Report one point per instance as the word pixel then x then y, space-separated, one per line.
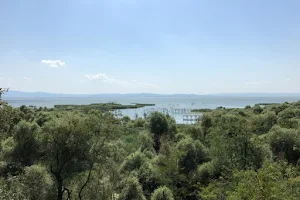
pixel 201 110
pixel 100 106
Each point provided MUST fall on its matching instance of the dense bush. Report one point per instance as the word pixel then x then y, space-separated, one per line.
pixel 133 162
pixel 285 144
pixel 192 153
pixel 162 193
pixel 132 190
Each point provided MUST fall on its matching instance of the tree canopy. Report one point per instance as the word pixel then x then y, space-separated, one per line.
pixel 53 153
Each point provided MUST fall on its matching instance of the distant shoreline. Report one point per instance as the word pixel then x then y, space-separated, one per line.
pixel 101 106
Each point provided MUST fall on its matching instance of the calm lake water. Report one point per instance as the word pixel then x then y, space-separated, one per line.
pixel 160 102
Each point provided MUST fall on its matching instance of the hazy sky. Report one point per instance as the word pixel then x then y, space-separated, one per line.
pixel 157 46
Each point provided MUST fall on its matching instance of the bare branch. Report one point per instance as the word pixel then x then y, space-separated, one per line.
pixel 86 182
pixel 69 193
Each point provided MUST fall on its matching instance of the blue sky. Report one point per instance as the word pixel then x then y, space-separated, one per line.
pixel 157 46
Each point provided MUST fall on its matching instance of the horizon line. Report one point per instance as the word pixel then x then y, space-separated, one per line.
pixel 199 94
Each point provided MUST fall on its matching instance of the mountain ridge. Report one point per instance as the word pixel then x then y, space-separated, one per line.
pixel 21 94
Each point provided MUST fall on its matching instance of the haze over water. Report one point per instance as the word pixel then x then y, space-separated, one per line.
pixel 165 102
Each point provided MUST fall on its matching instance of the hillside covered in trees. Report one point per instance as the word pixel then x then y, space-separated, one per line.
pixel 250 153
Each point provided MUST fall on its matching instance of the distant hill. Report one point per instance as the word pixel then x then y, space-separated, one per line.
pixel 20 94
pixel 12 93
pixel 257 94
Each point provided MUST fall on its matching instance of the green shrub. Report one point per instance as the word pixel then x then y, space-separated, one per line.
pixel 132 190
pixel 133 162
pixel 162 193
pixel 192 153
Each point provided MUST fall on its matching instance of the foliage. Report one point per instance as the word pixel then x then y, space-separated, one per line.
pixel 146 142
pixel 133 161
pixel 26 148
pixel 84 153
pixel 158 126
pixel 192 154
pixel 132 190
pixel 162 193
pixel 262 123
pixel 38 183
pixel 271 182
pixel 207 172
pixel 289 118
pixel 158 123
pixel 285 144
pixel 257 109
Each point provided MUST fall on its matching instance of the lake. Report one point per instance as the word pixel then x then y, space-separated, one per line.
pixel 164 102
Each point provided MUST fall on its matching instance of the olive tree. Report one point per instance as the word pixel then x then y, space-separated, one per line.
pixel 285 144
pixel 158 126
pixel 66 146
pixel 26 149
